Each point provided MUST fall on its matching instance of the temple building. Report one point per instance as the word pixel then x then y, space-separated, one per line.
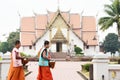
pixel 64 30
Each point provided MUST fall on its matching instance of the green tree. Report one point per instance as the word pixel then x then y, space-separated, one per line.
pixel 111 43
pixel 4 47
pixel 13 36
pixel 9 44
pixel 113 11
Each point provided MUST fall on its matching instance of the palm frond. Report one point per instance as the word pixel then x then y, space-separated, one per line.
pixel 103 20
pixel 115 5
pixel 110 13
pixel 113 11
pixel 107 23
pixel 110 8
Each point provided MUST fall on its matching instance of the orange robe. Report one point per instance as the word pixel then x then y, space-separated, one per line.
pixel 15 73
pixel 44 73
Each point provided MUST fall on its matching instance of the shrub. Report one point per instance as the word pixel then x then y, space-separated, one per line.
pixel 78 50
pixel 86 67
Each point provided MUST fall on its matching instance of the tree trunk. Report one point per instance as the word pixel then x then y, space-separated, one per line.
pixel 111 54
pixel 118 28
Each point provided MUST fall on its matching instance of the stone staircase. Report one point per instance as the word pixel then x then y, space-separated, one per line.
pixel 59 56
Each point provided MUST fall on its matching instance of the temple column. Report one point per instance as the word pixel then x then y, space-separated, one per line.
pixel 68 38
pixel 50 35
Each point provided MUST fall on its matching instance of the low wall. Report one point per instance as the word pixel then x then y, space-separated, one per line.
pixel 114 72
pixel 4 67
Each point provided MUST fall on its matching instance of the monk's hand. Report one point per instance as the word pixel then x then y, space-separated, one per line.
pixel 33 59
pixel 49 58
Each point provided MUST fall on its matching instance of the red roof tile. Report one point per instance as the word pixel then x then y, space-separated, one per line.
pixel 75 20
pixel 27 38
pixel 31 30
pixel 78 32
pixel 65 16
pixel 88 38
pixel 88 23
pixel 41 21
pixel 28 24
pixel 39 33
pixel 51 16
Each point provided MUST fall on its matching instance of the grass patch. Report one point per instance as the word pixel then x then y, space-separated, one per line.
pixel 113 62
pixel 85 73
pixel 82 75
pixel 85 70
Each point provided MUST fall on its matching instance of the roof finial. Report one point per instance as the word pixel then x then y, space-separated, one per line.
pixel 34 13
pixel 47 10
pixel 82 12
pixel 18 14
pixel 58 5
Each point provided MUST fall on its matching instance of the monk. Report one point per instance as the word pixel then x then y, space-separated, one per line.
pixel 16 71
pixel 44 72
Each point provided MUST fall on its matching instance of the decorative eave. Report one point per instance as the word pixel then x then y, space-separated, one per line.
pixel 53 20
pixel 50 24
pixel 59 40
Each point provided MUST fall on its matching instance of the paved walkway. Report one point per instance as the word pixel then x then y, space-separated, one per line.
pixel 62 71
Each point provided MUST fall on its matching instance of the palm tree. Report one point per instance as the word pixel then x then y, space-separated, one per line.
pixel 113 11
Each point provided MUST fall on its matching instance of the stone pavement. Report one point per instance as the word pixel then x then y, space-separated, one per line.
pixel 62 71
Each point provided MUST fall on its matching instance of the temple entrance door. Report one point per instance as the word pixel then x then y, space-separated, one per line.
pixel 58 46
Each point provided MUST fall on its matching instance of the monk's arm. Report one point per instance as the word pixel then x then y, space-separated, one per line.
pixel 18 57
pixel 44 56
pixel 38 53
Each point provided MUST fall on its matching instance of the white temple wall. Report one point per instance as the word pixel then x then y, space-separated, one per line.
pixel 76 40
pixel 92 50
pixel 53 47
pixel 27 50
pixel 64 32
pixel 64 48
pixel 40 42
pixel 53 32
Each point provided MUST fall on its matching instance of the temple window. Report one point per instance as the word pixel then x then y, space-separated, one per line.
pixel 87 47
pixel 30 47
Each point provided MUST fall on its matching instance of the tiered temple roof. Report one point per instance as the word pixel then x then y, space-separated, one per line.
pixel 34 27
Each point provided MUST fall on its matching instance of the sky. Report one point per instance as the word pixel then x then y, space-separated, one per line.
pixel 11 11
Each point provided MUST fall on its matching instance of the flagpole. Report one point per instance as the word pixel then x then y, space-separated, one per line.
pixel 58 2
